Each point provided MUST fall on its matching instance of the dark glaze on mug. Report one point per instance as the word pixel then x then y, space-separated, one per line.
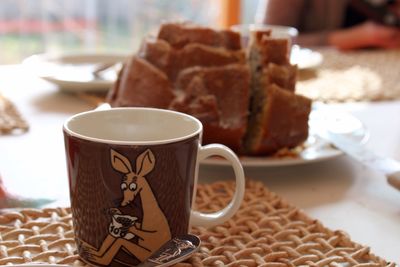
pixel 126 199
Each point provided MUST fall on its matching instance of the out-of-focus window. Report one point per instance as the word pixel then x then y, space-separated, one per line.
pixel 248 10
pixel 36 26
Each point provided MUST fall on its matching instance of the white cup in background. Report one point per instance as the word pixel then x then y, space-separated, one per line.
pixel 277 31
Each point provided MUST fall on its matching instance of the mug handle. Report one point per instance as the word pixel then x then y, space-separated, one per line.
pixel 210 219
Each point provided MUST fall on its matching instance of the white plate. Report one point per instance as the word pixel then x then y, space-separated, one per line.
pixel 305 58
pixel 316 149
pixel 74 72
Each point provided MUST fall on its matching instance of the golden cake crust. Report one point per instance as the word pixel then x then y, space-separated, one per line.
pixel 181 34
pixel 141 84
pixel 172 61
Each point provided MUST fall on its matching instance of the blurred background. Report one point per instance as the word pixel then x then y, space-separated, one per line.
pixel 50 26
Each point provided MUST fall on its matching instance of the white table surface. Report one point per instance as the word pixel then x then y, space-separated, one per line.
pixel 341 193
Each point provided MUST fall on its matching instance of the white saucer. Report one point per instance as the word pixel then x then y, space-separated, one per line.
pixel 316 149
pixel 75 72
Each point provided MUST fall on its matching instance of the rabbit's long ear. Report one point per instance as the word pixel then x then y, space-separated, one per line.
pixel 120 162
pixel 145 162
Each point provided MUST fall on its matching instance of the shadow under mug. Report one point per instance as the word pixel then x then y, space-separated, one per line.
pixel 132 176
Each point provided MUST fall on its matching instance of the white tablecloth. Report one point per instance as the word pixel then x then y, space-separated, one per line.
pixel 341 193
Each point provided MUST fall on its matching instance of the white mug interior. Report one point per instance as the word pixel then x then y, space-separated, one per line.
pixel 133 126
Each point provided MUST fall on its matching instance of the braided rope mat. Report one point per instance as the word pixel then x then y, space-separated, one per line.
pixel 10 118
pixel 364 75
pixel 266 231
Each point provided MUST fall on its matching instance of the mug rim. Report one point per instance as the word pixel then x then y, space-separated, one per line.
pixel 72 133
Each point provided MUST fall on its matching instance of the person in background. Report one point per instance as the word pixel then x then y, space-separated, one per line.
pixel 345 24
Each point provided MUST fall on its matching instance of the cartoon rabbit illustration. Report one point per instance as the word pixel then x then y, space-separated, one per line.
pixel 154 229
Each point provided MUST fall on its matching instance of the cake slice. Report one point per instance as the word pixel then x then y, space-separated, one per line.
pixel 263 50
pixel 179 35
pixel 269 63
pixel 141 84
pixel 279 119
pixel 228 86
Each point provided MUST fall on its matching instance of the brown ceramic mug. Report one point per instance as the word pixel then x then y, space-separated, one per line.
pixel 132 176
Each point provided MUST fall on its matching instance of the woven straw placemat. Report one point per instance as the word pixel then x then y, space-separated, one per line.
pixel 362 75
pixel 10 118
pixel 267 231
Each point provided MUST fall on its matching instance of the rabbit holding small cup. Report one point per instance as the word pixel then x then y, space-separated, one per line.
pixel 151 232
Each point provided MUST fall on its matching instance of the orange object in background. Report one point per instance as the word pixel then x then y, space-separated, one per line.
pixel 230 13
